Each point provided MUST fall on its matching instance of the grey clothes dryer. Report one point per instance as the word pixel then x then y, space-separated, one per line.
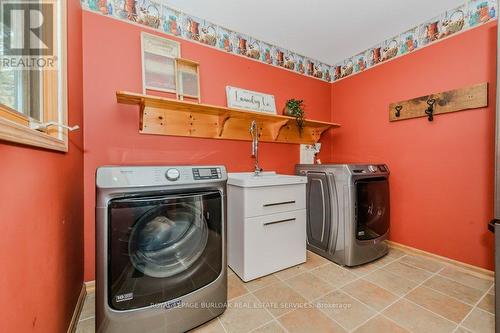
pixel 348 211
pixel 160 248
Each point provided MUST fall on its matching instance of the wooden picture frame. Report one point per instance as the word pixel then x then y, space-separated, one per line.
pixel 188 79
pixel 158 57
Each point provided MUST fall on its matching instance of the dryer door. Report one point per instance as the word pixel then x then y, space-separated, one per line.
pixel 319 210
pixel 372 209
pixel 163 247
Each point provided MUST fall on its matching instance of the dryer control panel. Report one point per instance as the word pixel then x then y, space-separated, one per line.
pixel 369 169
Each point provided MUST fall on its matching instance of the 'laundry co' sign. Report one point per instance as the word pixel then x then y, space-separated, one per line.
pixel 250 100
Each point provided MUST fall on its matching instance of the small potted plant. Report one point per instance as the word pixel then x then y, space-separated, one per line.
pixel 295 108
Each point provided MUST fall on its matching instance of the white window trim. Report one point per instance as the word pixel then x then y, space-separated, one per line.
pixel 19 133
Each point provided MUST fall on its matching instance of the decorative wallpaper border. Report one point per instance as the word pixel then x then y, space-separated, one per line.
pixel 471 14
pixel 153 14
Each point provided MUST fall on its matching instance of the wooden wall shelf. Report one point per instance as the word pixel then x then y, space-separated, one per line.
pixel 165 116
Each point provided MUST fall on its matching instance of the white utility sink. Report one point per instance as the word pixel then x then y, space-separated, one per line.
pixel 268 178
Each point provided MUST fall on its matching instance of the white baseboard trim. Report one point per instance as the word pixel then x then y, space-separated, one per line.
pixel 78 309
pixel 471 268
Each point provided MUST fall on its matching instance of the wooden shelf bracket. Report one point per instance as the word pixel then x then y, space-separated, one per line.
pixel 221 123
pixel 277 127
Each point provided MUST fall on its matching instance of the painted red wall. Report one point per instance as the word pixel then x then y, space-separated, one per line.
pixel 442 172
pixel 112 61
pixel 41 242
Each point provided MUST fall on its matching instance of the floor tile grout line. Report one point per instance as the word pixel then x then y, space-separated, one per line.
pixel 310 271
pixel 359 277
pixel 393 321
pixel 302 273
pixel 281 325
pixel 265 308
pixel 447 278
pixel 279 280
pixel 472 272
pixel 380 312
pixel 317 299
pixel 422 307
pixel 311 302
pixel 91 317
pixel 475 307
pixel 221 323
pixel 276 317
pixel 453 297
pixel 463 284
pixel 260 326
pixel 437 314
pixel 288 285
pixel 307 301
pixel 382 266
pixel 418 286
pixel 337 288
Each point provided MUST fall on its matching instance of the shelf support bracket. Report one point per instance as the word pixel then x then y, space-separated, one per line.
pixel 277 127
pixel 318 132
pixel 142 106
pixel 223 118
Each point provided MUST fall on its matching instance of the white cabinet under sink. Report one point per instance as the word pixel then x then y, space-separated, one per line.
pixel 266 223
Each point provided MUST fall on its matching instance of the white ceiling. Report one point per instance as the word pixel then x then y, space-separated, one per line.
pixel 341 28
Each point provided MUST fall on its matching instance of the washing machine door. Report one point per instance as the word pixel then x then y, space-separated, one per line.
pixel 163 247
pixel 372 208
pixel 319 210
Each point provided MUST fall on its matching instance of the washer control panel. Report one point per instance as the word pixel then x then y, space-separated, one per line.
pixel 172 174
pixel 143 176
pixel 207 173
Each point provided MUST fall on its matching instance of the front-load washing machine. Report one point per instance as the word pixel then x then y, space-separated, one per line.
pixel 348 211
pixel 160 248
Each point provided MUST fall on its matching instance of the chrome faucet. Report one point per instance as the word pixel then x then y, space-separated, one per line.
pixel 254 132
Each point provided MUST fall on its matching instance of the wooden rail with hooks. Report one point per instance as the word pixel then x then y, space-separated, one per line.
pixel 472 97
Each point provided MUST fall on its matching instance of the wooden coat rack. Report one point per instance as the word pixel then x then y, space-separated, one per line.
pixel 472 97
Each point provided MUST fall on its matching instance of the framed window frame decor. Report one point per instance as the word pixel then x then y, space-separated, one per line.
pixel 165 53
pixel 49 130
pixel 185 66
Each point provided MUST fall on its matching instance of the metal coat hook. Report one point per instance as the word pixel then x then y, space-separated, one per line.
pixel 430 110
pixel 398 110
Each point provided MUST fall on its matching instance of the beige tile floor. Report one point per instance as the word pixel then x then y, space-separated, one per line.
pixel 402 292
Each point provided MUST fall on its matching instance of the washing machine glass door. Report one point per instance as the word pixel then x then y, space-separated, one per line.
pixel 372 208
pixel 163 247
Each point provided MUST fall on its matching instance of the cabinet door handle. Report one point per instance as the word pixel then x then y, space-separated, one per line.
pixel 280 221
pixel 279 203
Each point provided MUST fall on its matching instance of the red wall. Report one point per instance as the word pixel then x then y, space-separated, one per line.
pixel 112 61
pixel 442 172
pixel 41 243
